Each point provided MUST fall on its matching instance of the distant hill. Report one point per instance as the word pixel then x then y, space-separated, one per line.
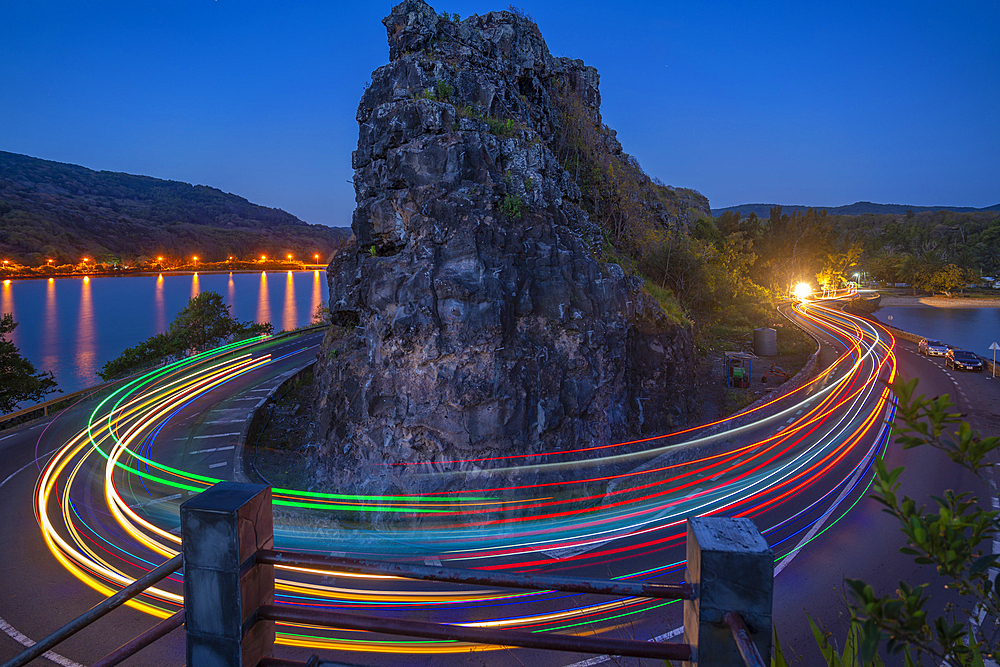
pixel 52 210
pixel 857 208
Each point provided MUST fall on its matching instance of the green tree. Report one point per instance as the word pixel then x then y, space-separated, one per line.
pixel 949 278
pixel 837 266
pixel 202 324
pixel 205 323
pixel 19 381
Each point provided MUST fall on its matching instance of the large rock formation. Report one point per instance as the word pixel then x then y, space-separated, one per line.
pixel 479 322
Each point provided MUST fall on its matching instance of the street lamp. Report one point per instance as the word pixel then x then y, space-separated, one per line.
pixel 289 257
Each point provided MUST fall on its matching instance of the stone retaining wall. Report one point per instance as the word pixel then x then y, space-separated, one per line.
pixel 258 419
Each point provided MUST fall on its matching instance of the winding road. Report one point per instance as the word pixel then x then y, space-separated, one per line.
pixel 92 496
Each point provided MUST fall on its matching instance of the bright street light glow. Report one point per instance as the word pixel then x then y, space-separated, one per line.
pixel 802 290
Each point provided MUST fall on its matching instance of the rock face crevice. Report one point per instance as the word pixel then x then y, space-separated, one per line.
pixel 478 321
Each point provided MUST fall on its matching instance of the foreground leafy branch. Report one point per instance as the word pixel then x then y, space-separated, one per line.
pixel 955 536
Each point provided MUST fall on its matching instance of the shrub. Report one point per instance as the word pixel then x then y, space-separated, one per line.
pixel 443 90
pixel 512 206
pixel 502 128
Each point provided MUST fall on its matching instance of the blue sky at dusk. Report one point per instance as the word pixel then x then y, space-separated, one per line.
pixel 794 103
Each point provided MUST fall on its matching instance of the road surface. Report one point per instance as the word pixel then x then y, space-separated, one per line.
pixel 795 467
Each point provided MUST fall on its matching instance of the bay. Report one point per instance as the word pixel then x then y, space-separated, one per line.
pixel 972 329
pixel 72 326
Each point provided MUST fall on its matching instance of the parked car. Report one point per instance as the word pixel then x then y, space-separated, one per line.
pixel 963 360
pixel 931 347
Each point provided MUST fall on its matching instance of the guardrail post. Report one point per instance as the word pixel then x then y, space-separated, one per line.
pixel 222 528
pixel 731 568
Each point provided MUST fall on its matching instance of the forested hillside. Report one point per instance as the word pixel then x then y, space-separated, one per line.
pixel 857 208
pixel 57 211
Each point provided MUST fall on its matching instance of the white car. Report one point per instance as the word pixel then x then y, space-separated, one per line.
pixel 932 348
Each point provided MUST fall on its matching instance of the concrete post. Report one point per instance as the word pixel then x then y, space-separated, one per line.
pixel 222 528
pixel 731 568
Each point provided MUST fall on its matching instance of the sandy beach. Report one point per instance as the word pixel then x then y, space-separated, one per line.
pixel 938 301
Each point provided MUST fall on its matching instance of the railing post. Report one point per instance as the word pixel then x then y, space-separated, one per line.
pixel 222 528
pixel 732 570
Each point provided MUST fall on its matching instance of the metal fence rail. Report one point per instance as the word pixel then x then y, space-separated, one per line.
pixel 229 611
pixel 730 569
pixel 130 648
pixel 540 640
pixel 641 589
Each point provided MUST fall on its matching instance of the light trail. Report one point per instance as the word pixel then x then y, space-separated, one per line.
pixel 108 501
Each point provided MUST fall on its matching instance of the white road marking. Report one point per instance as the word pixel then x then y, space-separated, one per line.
pixel 433 561
pixel 23 640
pixel 10 630
pixel 218 465
pixel 226 421
pixel 214 435
pixel 604 658
pixel 165 499
pixel 213 449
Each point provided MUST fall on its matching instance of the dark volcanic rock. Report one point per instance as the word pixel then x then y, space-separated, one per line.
pixel 479 322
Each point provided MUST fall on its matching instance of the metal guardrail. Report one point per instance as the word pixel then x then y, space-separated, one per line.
pixel 130 648
pixel 729 564
pixel 741 635
pixel 537 582
pixel 96 612
pixel 48 406
pixel 541 640
pixel 229 615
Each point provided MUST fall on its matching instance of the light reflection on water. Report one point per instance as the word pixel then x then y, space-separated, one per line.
pixel 50 326
pixel 317 293
pixel 288 316
pixel 72 326
pixel 231 294
pixel 263 300
pixel 86 333
pixel 7 306
pixel 159 306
